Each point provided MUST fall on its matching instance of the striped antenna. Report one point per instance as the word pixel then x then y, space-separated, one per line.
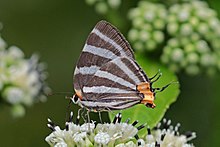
pixel 107 77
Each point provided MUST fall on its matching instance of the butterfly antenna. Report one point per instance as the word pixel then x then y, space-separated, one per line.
pixel 58 93
pixel 155 75
pixel 159 75
pixel 165 87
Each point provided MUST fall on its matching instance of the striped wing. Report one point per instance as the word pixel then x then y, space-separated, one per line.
pixel 114 85
pixel 104 44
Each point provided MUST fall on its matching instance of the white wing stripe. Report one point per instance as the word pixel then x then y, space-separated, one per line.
pixel 99 104
pixel 123 97
pixel 126 70
pixel 141 74
pixel 104 89
pixel 88 70
pixel 115 78
pixel 109 40
pixel 99 51
pixel 112 105
pixel 76 71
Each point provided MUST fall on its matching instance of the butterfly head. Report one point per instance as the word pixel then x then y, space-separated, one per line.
pixel 77 97
pixel 148 94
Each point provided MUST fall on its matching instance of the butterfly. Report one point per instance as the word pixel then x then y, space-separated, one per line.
pixel 107 76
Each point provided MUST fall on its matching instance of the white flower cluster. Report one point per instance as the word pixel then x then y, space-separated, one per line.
pixel 117 133
pixel 89 134
pixel 186 33
pixel 102 6
pixel 21 80
pixel 166 135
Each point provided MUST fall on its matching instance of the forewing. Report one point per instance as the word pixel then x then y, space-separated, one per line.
pixel 104 44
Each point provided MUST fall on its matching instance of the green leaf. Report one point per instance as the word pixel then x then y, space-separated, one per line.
pixel 163 99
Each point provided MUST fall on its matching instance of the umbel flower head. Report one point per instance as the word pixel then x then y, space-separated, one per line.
pixel 148 24
pixel 117 133
pixel 22 81
pixel 187 31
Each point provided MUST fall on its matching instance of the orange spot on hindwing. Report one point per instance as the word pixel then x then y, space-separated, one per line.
pixel 145 89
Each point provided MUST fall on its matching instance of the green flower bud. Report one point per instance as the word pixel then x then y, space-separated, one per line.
pixel 101 7
pixel 173 28
pixel 133 13
pixel 189 48
pixel 139 46
pixel 207 60
pixel 194 21
pixel 173 42
pixel 177 55
pixel 174 67
pixel 183 15
pixel 194 37
pixel 144 35
pixel 114 3
pixel 90 2
pixel 203 28
pixel 133 35
pixel 202 46
pixel 167 50
pixel 138 22
pixel 192 58
pixel 192 69
pixel 17 111
pixel 150 45
pixel 149 16
pixel 159 24
pixel 158 36
pixel 186 29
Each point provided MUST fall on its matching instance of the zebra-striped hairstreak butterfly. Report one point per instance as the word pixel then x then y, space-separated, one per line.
pixel 107 77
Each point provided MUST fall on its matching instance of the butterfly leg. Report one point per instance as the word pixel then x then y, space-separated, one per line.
pixel 88 120
pixel 81 114
pixel 100 117
pixel 88 117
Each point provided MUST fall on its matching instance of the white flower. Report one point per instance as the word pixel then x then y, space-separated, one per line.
pixel 61 144
pixel 13 95
pixel 102 138
pixel 15 52
pixel 55 137
pixel 87 127
pixel 79 137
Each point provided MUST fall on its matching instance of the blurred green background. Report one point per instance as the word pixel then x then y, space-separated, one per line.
pixel 57 30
